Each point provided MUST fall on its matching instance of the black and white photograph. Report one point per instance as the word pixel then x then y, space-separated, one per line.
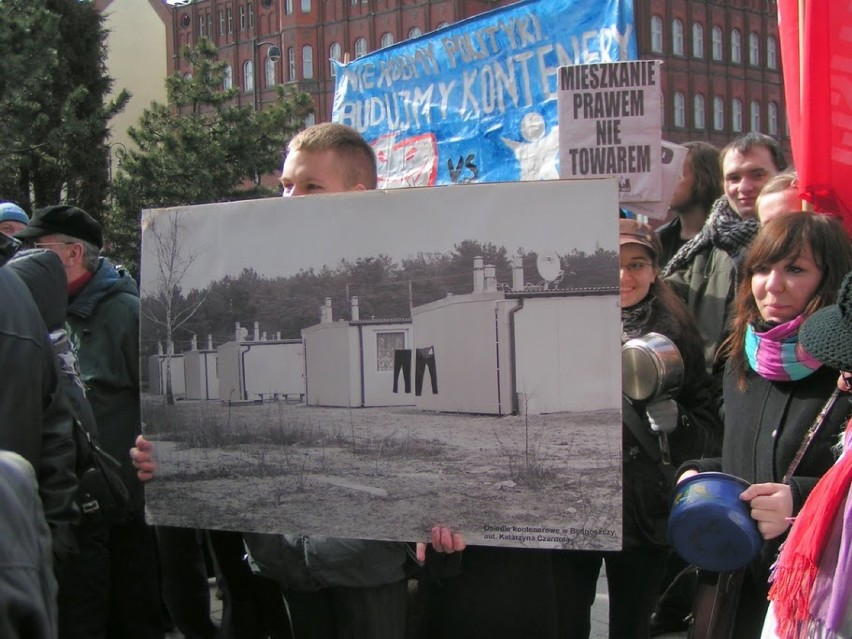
pixel 370 365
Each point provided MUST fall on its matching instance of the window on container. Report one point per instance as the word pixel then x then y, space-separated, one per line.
pixel 335 52
pixel 737 115
pixel 771 52
pixel 387 39
pixel 269 72
pixel 736 46
pixel 656 34
pixel 291 64
pixel 387 343
pixel 306 6
pixel 717 44
pixel 228 78
pixel 677 37
pixel 360 47
pixel 415 33
pixel 698 111
pixel 772 119
pixel 754 115
pixel 307 62
pixel 753 50
pixel 697 40
pixel 718 114
pixel 242 18
pixel 679 109
pixel 248 76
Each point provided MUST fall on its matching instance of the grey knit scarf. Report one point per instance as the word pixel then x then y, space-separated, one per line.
pixel 724 229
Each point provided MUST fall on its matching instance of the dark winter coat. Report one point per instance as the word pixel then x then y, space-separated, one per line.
pixel 764 426
pixel 35 418
pixel 103 322
pixel 647 481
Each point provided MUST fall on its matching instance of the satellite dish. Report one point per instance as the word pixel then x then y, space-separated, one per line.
pixel 548 265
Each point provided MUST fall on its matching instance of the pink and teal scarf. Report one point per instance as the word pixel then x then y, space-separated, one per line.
pixel 776 354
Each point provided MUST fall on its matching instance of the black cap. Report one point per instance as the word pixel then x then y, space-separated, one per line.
pixel 63 220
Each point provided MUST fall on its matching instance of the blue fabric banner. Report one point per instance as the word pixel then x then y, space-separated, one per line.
pixel 476 101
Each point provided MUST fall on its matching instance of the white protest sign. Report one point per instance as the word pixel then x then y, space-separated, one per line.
pixel 609 125
pixel 673 156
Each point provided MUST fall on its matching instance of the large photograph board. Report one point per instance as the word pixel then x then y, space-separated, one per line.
pixel 370 365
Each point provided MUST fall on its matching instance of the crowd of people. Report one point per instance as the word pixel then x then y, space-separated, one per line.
pixel 749 288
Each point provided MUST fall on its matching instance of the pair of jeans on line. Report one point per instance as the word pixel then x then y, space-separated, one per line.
pixel 425 359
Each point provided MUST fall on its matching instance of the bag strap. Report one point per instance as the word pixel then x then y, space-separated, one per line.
pixel 815 428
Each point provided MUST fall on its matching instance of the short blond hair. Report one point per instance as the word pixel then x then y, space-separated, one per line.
pixel 351 148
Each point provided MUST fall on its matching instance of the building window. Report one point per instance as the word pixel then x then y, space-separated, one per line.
pixel 697 40
pixel 307 62
pixel 269 72
pixel 662 109
pixel 387 343
pixel 677 37
pixel 288 7
pixel 230 15
pixel 187 76
pixel 656 34
pixel 754 113
pixel 228 78
pixel 737 115
pixel 771 52
pixel 736 46
pixel 306 6
pixel 718 114
pixel 291 64
pixel 335 52
pixel 772 124
pixel 360 48
pixel 251 15
pixel 441 25
pixel 248 76
pixel 698 111
pixel 221 23
pixel 310 119
pixel 753 50
pixel 415 32
pixel 242 18
pixel 679 110
pixel 387 39
pixel 718 46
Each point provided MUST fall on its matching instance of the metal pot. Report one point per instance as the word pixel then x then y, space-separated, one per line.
pixel 651 368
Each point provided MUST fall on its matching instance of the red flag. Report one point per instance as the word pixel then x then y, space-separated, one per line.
pixel 818 88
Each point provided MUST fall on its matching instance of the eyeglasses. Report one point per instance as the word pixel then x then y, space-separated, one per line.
pixel 635 267
pixel 46 244
pixel 847 379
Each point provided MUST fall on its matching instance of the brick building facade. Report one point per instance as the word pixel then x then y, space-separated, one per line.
pixel 722 58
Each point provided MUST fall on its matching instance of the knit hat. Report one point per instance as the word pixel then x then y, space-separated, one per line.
pixel 827 334
pixel 11 212
pixel 63 220
pixel 635 232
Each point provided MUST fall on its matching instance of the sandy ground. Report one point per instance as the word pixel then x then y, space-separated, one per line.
pixel 388 473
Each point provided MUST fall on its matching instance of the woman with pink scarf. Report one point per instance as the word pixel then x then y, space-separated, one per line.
pixel 811 589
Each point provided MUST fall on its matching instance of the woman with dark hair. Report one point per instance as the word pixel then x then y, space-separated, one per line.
pixel 774 390
pixel 634 573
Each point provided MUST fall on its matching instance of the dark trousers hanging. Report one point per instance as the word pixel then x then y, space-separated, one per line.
pixel 425 359
pixel 402 362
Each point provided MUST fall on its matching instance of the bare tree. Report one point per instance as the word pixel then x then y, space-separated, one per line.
pixel 164 304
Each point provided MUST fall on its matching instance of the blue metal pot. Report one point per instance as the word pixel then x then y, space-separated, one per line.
pixel 710 526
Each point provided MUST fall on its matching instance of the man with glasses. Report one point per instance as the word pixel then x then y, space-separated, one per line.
pixel 123 597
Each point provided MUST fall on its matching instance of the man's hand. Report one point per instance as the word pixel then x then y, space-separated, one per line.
pixel 143 459
pixel 771 507
pixel 443 540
